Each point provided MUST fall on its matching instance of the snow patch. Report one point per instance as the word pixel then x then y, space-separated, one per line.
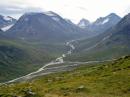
pixel 50 13
pixel 105 21
pixel 56 19
pixel 7 18
pixel 82 24
pixel 7 27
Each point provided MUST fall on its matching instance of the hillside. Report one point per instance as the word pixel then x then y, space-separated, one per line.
pixel 100 80
pixel 18 58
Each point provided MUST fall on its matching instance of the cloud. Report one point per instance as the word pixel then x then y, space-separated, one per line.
pixel 72 9
pixel 82 8
pixel 127 10
pixel 17 9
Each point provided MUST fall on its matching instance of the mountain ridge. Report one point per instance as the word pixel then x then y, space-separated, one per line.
pixel 102 24
pixel 40 26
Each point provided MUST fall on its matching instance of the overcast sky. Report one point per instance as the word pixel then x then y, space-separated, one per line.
pixel 71 9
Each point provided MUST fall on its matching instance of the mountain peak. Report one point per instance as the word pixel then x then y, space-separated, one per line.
pixel 111 18
pixel 113 15
pixel 83 23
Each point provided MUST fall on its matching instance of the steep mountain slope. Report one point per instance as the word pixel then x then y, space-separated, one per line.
pixel 103 23
pixel 69 21
pixel 99 80
pixel 47 27
pixel 6 22
pixel 111 44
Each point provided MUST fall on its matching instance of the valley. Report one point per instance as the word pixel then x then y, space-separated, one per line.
pixel 43 54
pixel 106 79
pixel 40 72
pixel 57 65
pixel 21 58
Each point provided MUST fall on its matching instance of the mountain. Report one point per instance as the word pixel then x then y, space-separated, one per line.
pixel 119 34
pixel 109 20
pixel 6 22
pixel 83 23
pixel 47 26
pixel 103 23
pixel 113 43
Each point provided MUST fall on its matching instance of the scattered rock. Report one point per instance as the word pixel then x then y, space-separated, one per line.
pixel 80 88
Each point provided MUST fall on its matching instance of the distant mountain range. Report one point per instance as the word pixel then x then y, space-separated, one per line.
pixel 101 24
pixel 47 26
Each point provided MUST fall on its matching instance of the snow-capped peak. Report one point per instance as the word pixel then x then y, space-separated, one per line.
pixel 83 23
pixel 109 18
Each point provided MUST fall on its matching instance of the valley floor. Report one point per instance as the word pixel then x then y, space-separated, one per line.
pixel 110 79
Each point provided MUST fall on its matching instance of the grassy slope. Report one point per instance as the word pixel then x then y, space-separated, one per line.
pixel 102 80
pixel 114 47
pixel 19 57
